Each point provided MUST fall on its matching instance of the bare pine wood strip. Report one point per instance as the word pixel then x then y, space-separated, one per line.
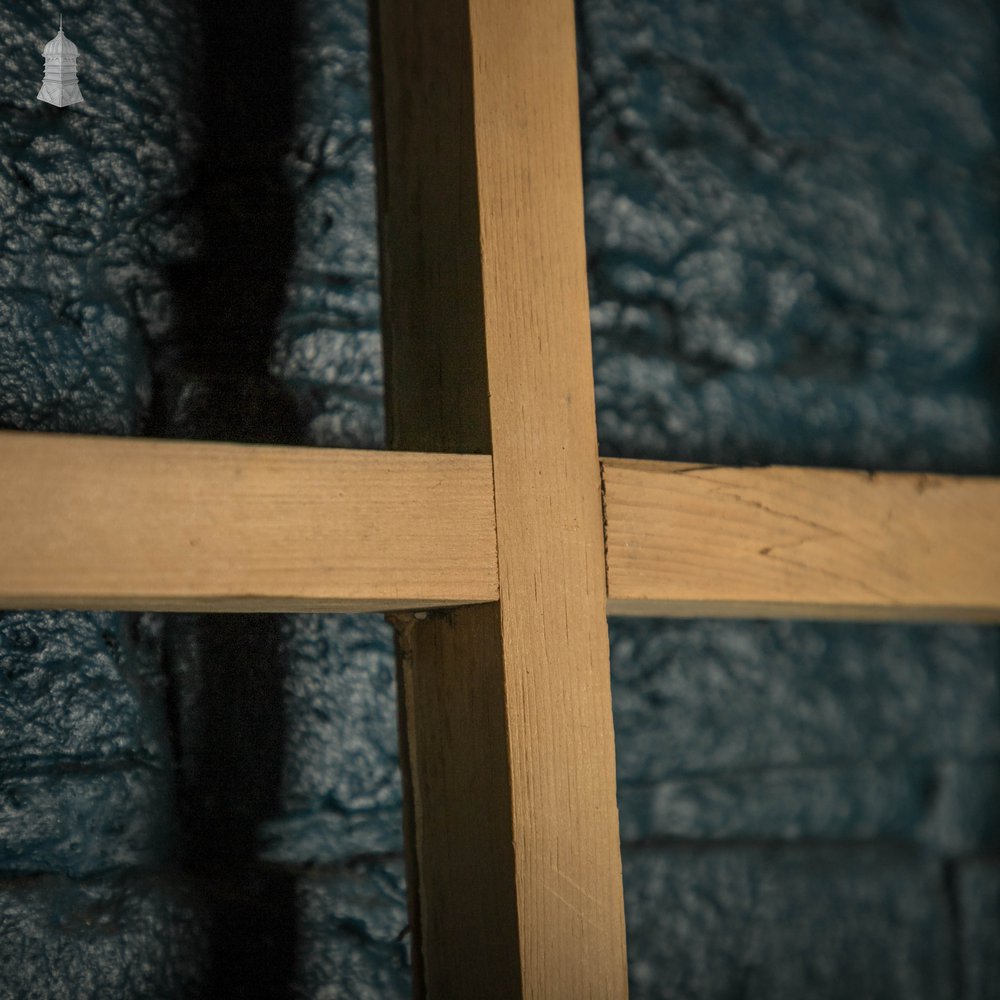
pixel 778 542
pixel 515 873
pixel 549 522
pixel 113 523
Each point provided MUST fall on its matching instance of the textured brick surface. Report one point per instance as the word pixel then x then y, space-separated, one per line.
pixel 137 743
pixel 85 214
pixel 978 885
pixel 85 821
pixel 158 938
pixel 328 351
pixel 298 725
pixel 75 692
pixel 84 756
pixel 730 729
pixel 792 219
pixel 792 236
pixel 792 229
pixel 340 791
pixel 61 939
pixel 785 922
pixel 745 695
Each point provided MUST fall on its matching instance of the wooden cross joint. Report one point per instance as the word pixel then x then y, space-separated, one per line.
pixel 493 508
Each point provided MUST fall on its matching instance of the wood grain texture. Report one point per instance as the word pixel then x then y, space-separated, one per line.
pixel 801 543
pixel 459 817
pixel 488 349
pixel 113 523
pixel 546 483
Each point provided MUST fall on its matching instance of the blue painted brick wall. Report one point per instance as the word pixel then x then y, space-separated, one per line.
pixel 792 222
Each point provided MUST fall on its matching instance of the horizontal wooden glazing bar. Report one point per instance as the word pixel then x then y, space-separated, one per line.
pixel 100 522
pixel 111 523
pixel 775 542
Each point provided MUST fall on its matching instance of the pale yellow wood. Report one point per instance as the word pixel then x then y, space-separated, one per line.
pixel 777 542
pixel 515 870
pixel 115 523
pixel 546 484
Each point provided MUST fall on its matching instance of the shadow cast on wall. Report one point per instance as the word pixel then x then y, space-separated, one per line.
pixel 211 381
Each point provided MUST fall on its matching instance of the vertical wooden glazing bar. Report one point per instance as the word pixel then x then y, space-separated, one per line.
pixel 514 861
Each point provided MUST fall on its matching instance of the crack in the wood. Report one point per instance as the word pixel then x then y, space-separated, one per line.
pixel 768 549
pixel 823 532
pixel 694 468
pixel 885 598
pixel 725 488
pixel 604 526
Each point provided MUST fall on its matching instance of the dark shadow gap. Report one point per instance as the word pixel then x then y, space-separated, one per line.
pixel 211 381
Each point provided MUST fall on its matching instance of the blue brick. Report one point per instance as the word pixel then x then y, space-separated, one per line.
pixel 354 941
pixel 77 690
pixel 85 821
pixel 327 835
pixel 964 813
pixel 857 803
pixel 791 229
pixel 63 939
pixel 341 793
pixel 729 729
pixel 691 697
pixel 341 704
pixel 85 233
pixel 769 924
pixel 289 726
pixel 148 937
pixel 327 351
pixel 951 808
pixel 978 887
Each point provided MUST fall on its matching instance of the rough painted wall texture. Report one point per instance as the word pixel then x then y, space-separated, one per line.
pixel 792 223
